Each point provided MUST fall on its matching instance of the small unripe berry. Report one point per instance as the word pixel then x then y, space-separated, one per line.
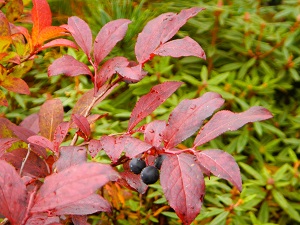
pixel 136 165
pixel 159 160
pixel 150 175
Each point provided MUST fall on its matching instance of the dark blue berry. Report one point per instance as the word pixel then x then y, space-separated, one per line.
pixel 150 175
pixel 136 165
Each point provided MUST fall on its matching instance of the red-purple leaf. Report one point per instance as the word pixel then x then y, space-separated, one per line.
pixel 23 133
pixel 188 116
pixel 181 47
pixel 80 220
pixel 6 143
pixel 183 185
pixel 16 85
pixel 94 147
pixel 82 124
pixel 88 205
pixel 31 122
pixel 70 156
pixel 113 146
pixel 173 25
pixel 50 116
pixel 60 133
pixel 132 181
pixel 71 185
pixel 153 132
pixel 160 30
pixel 58 42
pixel 34 166
pixel 41 141
pixel 41 18
pixel 150 38
pixel 69 66
pixel 228 121
pixel 42 219
pixel 108 69
pixel 82 33
pixel 222 165
pixel 132 74
pixel 149 102
pixel 109 35
pixel 134 146
pixel 13 194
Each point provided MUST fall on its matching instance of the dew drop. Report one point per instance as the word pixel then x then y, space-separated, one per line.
pixel 151 131
pixel 192 107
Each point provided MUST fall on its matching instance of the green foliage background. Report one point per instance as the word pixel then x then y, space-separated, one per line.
pixel 253 58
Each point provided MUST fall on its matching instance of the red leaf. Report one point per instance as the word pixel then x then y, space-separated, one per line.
pixel 183 185
pixel 134 146
pixel 113 146
pixel 150 37
pixel 153 132
pixel 71 185
pixel 31 122
pixel 181 47
pixel 41 141
pixel 70 156
pixel 94 147
pixel 88 205
pixel 132 74
pixel 82 124
pixel 82 33
pixel 23 133
pixel 132 181
pixel 6 143
pixel 80 220
pixel 34 166
pixel 13 194
pixel 108 69
pixel 58 42
pixel 49 33
pixel 160 30
pixel 69 66
pixel 41 18
pixel 149 102
pixel 188 116
pixel 109 35
pixel 16 85
pixel 60 133
pixel 50 116
pixel 222 165
pixel 173 25
pixel 225 120
pixel 42 219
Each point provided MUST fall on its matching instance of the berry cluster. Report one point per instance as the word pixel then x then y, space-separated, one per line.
pixel 149 174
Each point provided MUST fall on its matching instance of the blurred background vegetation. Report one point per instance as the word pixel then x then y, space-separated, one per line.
pixel 253 58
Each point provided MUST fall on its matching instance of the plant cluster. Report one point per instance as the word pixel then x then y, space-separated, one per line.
pixel 49 169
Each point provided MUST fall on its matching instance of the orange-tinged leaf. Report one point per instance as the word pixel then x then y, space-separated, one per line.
pixel 5 42
pixel 50 116
pixel 3 100
pixel 41 18
pixel 16 85
pixel 50 32
pixel 4 25
pixel 14 9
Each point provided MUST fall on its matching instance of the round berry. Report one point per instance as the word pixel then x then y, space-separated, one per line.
pixel 150 175
pixel 159 160
pixel 136 165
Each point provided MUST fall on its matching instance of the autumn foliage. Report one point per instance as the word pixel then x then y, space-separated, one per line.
pixel 41 180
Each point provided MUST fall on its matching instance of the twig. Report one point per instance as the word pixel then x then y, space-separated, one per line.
pixel 5 221
pixel 24 160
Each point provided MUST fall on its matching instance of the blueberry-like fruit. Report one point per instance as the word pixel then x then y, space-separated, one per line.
pixel 136 165
pixel 159 160
pixel 150 175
